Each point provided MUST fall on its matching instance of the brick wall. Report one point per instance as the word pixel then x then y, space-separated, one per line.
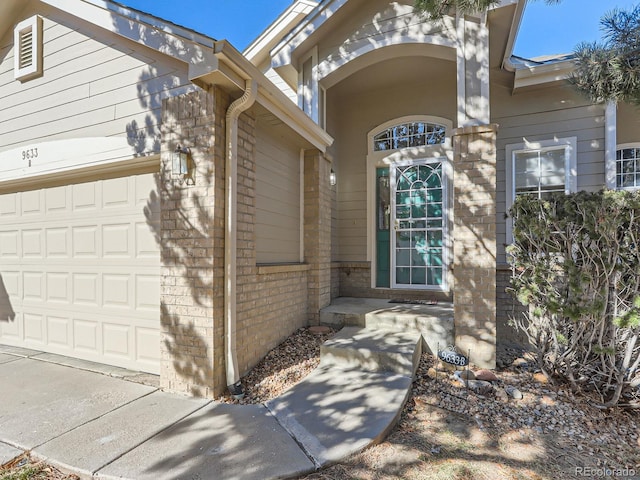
pixel 474 242
pixel 272 301
pixel 354 280
pixel 317 231
pixel 191 241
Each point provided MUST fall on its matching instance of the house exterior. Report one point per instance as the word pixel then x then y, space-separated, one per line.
pixel 167 203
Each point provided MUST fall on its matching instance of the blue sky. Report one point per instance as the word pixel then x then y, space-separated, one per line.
pixel 549 29
pixel 546 29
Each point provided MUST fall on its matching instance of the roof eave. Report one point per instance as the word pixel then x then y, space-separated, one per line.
pixel 259 50
pixel 238 69
pixel 548 73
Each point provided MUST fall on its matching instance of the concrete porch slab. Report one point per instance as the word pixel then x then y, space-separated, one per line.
pixel 41 401
pixel 219 441
pixel 434 321
pixel 95 444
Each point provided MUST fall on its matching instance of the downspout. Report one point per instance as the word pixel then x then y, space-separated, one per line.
pixel 231 234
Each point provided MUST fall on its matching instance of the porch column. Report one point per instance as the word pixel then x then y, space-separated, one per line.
pixel 472 70
pixel 317 231
pixel 474 242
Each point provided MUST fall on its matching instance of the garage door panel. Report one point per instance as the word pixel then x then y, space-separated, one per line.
pixel 85 241
pixel 34 331
pixel 115 291
pixel 32 243
pixel 9 244
pixel 86 336
pixel 147 292
pixel 118 192
pixel 9 205
pixel 84 196
pixel 117 340
pixel 59 332
pixel 145 339
pixel 57 200
pixel 86 287
pixel 81 269
pixel 57 240
pixel 58 287
pixel 11 282
pixel 146 245
pixel 32 203
pixel 33 287
pixel 11 327
pixel 117 240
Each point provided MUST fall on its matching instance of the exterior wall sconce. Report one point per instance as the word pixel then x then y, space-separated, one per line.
pixel 183 166
pixel 332 178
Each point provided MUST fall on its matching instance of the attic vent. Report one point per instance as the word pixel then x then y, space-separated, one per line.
pixel 26 48
pixel 27 38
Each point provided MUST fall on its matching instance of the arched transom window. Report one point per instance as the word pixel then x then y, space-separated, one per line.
pixel 410 134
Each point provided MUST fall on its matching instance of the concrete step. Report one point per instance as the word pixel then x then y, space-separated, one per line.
pixel 378 350
pixel 433 322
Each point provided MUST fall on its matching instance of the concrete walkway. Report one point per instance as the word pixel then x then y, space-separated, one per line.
pixel 98 424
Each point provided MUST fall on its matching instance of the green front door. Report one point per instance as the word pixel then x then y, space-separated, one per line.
pixel 417 217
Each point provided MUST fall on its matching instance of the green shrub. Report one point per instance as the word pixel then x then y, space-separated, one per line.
pixel 576 264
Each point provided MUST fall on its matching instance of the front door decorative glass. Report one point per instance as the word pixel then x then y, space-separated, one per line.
pixel 418 219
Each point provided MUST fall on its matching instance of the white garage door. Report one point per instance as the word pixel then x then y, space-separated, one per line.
pixel 79 271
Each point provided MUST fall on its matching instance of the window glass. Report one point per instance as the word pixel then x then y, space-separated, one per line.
pixel 628 168
pixel 540 172
pixel 413 134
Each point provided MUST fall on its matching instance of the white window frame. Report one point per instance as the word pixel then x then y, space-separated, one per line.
pixel 569 144
pixel 387 158
pixel 33 25
pixel 623 146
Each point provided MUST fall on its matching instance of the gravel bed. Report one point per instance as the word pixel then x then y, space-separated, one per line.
pixel 609 437
pixel 283 367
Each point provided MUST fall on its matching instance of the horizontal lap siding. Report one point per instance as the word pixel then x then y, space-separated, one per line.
pixel 277 197
pixel 94 84
pixel 543 115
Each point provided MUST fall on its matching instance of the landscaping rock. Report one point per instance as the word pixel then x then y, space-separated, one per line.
pixel 502 395
pixel 486 375
pixel 513 392
pixel 520 362
pixel 480 387
pixel 446 366
pixel 465 374
pixel 540 378
pixel 436 374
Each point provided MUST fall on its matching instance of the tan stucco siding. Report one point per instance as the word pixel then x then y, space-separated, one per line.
pixel 95 84
pixel 357 111
pixel 554 112
pixel 366 28
pixel 277 197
